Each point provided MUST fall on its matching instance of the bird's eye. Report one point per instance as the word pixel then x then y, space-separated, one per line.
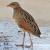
pixel 13 4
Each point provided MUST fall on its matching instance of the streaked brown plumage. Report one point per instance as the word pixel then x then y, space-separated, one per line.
pixel 24 19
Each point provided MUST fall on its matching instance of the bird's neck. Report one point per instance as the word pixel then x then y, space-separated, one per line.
pixel 16 11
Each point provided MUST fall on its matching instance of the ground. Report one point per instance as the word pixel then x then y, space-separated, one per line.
pixel 10 37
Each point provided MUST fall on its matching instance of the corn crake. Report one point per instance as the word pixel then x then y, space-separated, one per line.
pixel 24 20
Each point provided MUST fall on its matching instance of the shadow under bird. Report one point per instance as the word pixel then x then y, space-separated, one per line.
pixel 24 19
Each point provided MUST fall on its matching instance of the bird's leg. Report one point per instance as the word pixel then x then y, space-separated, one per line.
pixel 23 40
pixel 31 42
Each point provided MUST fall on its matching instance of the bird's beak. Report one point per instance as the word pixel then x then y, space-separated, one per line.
pixel 8 5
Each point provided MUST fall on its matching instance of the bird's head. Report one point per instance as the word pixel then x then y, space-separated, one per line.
pixel 14 5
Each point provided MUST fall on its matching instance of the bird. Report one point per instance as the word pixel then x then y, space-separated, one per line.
pixel 24 20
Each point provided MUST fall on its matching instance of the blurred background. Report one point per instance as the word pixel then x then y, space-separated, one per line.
pixel 39 9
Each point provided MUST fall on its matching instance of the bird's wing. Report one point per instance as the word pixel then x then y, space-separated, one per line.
pixel 30 20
